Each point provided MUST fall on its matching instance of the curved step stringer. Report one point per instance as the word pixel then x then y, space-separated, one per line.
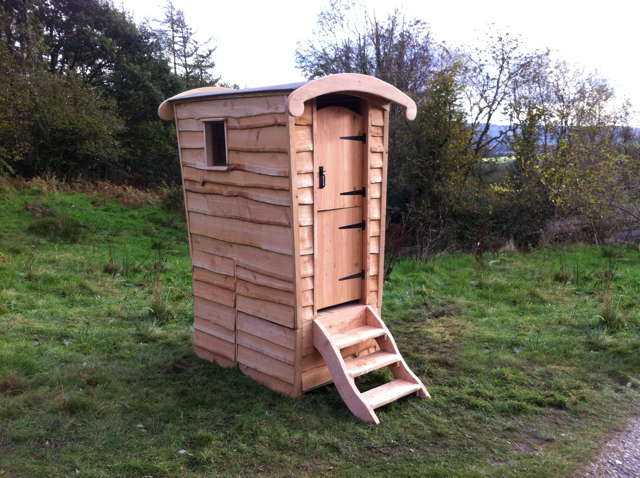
pixel 331 334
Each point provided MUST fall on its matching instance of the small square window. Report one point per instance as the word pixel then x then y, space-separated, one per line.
pixel 215 137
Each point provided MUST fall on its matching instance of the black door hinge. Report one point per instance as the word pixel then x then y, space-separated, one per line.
pixel 358 192
pixel 358 225
pixel 359 275
pixel 362 137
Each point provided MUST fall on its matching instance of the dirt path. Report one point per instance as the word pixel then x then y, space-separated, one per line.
pixel 620 456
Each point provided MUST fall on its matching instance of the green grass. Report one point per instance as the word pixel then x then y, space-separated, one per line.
pixel 527 367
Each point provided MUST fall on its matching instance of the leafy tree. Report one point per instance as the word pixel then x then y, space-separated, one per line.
pixel 112 65
pixel 53 123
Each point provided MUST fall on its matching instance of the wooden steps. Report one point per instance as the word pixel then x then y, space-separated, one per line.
pixel 389 392
pixel 344 326
pixel 368 363
pixel 357 335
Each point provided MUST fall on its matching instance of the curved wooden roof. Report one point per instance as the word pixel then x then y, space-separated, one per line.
pixel 301 92
pixel 346 83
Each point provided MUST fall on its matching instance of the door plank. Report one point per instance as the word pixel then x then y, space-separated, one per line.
pixel 339 255
pixel 342 159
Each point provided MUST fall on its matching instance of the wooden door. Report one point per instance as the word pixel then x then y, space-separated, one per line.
pixel 339 158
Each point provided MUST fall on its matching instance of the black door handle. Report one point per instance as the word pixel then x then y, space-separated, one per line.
pixel 323 179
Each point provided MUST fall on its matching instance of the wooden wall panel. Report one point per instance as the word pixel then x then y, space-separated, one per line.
pixel 265 347
pixel 304 162
pixel 240 223
pixel 263 279
pixel 269 196
pixel 268 139
pixel 306 266
pixel 376 131
pixel 376 116
pixel 212 292
pixel 376 160
pixel 265 364
pixel 377 145
pixel 305 180
pixel 211 328
pixel 277 313
pixel 277 334
pixel 271 164
pixel 374 227
pixel 270 294
pixel 221 280
pixel 374 245
pixel 232 107
pixel 193 156
pixel 305 238
pixel 263 236
pixel 375 191
pixel 305 215
pixel 239 208
pixel 304 138
pixel 212 262
pixel 272 264
pixel 235 178
pixel 374 209
pixel 191 139
pixel 258 121
pixel 304 195
pixel 189 125
pixel 375 175
pixel 214 344
pixel 214 312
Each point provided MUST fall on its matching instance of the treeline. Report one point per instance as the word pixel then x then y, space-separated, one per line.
pixel 80 84
pixel 575 155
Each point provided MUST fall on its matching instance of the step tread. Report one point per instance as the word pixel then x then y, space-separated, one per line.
pixel 368 363
pixel 389 392
pixel 356 335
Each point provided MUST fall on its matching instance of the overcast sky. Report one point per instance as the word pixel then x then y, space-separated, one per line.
pixel 256 39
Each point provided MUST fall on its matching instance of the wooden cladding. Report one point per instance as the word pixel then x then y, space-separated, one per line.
pixel 239 208
pixel 263 236
pixel 377 161
pixel 231 107
pixel 253 231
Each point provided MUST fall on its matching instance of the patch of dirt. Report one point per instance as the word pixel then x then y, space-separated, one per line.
pixel 620 456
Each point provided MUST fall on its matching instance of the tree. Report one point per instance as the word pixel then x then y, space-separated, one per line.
pixel 428 157
pixel 111 69
pixel 494 74
pixel 191 59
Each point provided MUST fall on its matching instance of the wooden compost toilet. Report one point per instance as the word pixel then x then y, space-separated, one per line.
pixel 285 191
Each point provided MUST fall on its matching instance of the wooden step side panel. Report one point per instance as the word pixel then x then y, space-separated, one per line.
pixel 344 383
pixel 388 344
pixel 344 370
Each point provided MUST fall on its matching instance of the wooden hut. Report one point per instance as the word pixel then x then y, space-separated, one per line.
pixel 285 192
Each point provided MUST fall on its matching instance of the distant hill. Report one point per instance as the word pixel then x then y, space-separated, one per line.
pixel 501 149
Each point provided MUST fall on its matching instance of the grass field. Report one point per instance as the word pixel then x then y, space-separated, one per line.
pixel 530 359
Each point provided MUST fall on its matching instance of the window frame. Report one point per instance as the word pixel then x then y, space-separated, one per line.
pixel 208 155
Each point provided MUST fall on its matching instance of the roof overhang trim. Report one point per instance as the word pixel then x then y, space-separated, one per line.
pixel 346 83
pixel 302 92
